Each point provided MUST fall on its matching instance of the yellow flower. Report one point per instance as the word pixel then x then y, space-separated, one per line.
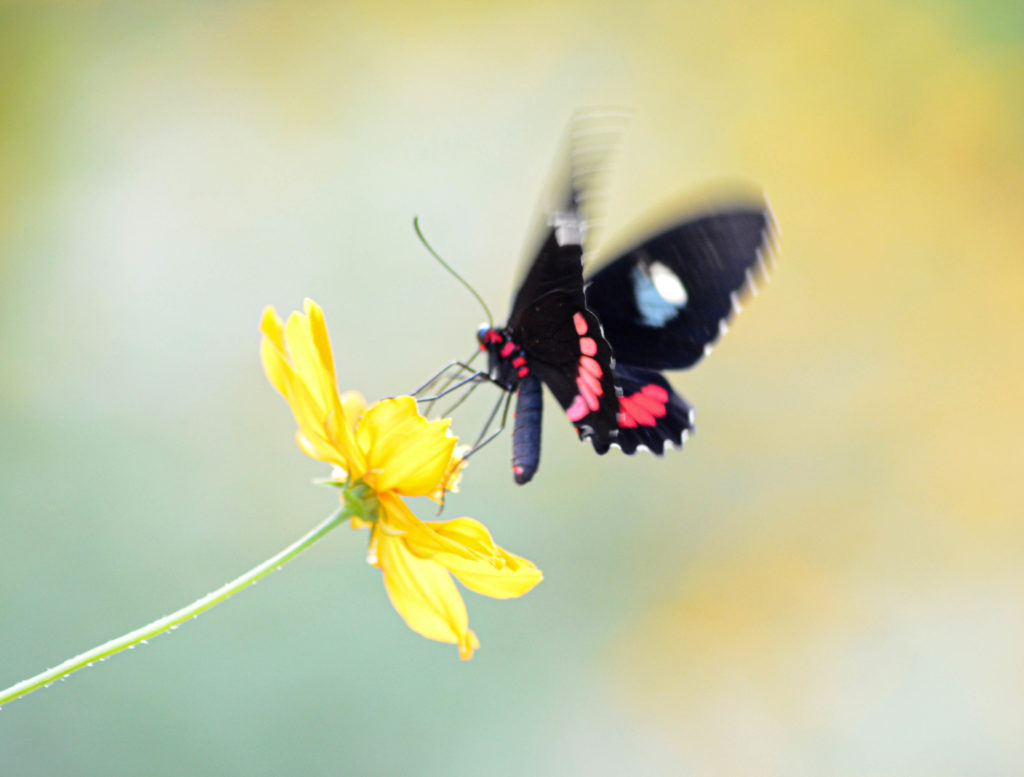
pixel 385 452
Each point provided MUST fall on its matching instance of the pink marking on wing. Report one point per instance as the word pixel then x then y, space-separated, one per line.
pixel 577 409
pixel 519 361
pixel 524 371
pixel 588 383
pixel 654 391
pixel 590 365
pixel 650 404
pixel 507 349
pixel 580 322
pixel 588 396
pixel 588 346
pixel 636 412
pixel 626 421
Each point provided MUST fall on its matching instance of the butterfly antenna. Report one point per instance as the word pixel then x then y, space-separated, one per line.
pixel 459 278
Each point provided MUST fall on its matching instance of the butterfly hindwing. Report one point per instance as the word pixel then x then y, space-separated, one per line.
pixel 650 414
pixel 665 302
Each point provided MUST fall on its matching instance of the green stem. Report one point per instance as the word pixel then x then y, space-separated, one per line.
pixel 168 622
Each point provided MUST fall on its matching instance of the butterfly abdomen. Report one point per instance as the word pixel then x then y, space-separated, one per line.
pixel 526 432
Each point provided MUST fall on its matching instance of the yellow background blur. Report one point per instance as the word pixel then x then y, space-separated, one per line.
pixel 829 580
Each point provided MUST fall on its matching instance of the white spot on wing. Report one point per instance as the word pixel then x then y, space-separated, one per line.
pixel 658 293
pixel 668 284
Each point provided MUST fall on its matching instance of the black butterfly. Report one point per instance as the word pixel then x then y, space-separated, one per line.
pixel 599 344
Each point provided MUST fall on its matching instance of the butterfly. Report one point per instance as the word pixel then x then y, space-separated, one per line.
pixel 600 343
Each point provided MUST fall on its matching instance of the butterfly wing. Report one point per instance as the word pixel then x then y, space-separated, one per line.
pixel 651 415
pixel 562 339
pixel 665 302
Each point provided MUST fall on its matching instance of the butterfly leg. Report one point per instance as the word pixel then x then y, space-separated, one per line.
pixel 462 367
pixel 485 438
pixel 473 377
pixel 481 440
pixel 446 413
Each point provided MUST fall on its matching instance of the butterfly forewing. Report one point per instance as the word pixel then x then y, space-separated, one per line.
pixel 563 341
pixel 664 303
pixel 576 365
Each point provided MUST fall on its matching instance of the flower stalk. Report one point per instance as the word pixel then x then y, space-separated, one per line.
pixel 168 622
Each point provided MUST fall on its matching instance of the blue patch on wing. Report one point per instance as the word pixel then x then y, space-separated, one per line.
pixel 654 309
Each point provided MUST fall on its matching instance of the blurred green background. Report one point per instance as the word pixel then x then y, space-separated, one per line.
pixel 829 580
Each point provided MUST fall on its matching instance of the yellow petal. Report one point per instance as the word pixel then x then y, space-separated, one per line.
pixel 310 350
pixel 404 451
pixel 314 435
pixel 464 547
pixel 507 583
pixel 473 536
pixel 272 351
pixel 496 572
pixel 309 413
pixel 354 405
pixel 420 538
pixel 298 362
pixel 321 341
pixel 425 596
pixel 306 359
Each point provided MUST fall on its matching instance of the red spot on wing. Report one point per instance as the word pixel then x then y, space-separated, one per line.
pixel 524 371
pixel 519 361
pixel 507 349
pixel 589 382
pixel 654 391
pixel 590 366
pixel 589 373
pixel 629 407
pixel 650 404
pixel 577 409
pixel 644 407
